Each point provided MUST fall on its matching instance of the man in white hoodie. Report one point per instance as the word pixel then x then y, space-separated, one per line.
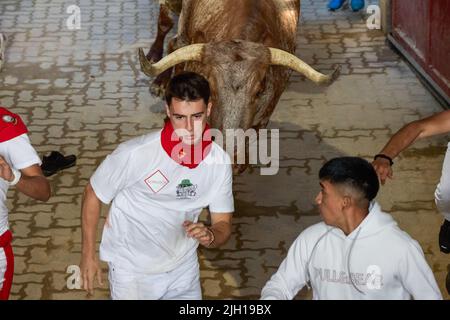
pixel 358 251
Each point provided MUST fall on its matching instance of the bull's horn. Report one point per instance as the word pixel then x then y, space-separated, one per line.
pixel 187 53
pixel 283 58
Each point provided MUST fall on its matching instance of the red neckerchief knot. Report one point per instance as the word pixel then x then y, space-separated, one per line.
pixel 186 155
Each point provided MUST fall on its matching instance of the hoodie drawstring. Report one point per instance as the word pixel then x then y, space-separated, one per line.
pixel 348 263
pixel 308 278
pixel 310 257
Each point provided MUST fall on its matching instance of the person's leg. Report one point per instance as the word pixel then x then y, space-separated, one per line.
pixel 2 267
pixel 335 4
pixel 357 5
pixel 184 282
pixel 152 286
pixel 442 198
pixel 122 285
pixel 6 265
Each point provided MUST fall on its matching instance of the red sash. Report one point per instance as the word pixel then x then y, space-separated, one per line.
pixel 5 244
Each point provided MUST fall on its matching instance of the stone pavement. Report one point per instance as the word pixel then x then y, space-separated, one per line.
pixel 81 92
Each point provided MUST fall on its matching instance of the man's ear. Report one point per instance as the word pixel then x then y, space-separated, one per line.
pixel 347 201
pixel 208 109
pixel 167 110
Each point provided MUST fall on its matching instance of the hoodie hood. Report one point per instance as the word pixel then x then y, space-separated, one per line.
pixel 375 222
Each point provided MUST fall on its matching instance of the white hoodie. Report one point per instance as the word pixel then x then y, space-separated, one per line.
pixel 383 261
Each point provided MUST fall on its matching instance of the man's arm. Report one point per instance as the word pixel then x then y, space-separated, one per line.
pixel 290 277
pixel 406 136
pixel 32 182
pixel 214 236
pixel 416 275
pixel 90 215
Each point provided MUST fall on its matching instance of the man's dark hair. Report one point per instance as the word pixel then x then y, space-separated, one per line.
pixel 352 172
pixel 188 86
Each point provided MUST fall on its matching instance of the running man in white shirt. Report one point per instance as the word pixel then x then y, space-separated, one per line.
pixel 19 167
pixel 358 251
pixel 158 184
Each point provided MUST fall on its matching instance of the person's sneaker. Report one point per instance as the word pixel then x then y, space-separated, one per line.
pixel 335 4
pixel 357 5
pixel 444 237
pixel 2 49
pixel 56 162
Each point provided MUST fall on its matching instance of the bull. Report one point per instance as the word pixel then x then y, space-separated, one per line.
pixel 245 48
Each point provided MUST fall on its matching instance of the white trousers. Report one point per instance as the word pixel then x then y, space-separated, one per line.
pixel 2 267
pixel 442 193
pixel 182 283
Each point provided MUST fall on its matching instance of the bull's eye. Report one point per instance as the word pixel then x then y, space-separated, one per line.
pixel 262 88
pixel 260 93
pixel 236 87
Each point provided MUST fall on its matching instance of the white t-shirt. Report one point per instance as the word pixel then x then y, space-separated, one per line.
pixel 19 153
pixel 152 196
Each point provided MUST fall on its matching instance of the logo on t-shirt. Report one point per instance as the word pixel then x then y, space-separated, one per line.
pixel 156 181
pixel 186 190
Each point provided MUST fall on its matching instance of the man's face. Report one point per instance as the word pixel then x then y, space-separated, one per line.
pixel 331 203
pixel 188 118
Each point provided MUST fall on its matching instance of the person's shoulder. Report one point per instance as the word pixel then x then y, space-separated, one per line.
pixel 151 139
pixel 315 231
pixel 21 140
pixel 400 236
pixel 396 238
pixel 219 154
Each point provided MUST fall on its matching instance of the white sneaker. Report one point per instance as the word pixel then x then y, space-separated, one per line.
pixel 2 49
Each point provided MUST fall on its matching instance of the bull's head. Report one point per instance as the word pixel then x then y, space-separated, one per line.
pixel 246 78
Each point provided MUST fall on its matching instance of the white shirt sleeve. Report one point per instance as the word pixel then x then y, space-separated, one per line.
pixel 223 199
pixel 112 175
pixel 290 277
pixel 20 153
pixel 416 276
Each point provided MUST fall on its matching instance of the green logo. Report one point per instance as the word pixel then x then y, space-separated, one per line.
pixel 186 190
pixel 185 183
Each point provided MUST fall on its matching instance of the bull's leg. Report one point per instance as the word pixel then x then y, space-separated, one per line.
pixel 158 86
pixel 165 24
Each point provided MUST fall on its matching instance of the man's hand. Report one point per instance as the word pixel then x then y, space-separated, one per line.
pixel 5 170
pixel 90 269
pixel 383 169
pixel 200 232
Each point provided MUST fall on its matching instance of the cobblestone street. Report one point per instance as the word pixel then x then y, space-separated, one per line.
pixel 81 92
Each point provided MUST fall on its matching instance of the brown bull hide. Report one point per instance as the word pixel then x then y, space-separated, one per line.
pixel 245 83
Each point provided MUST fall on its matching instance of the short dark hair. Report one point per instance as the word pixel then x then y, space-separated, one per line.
pixel 353 172
pixel 188 86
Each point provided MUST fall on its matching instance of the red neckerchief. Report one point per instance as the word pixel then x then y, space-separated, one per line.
pixel 11 125
pixel 186 155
